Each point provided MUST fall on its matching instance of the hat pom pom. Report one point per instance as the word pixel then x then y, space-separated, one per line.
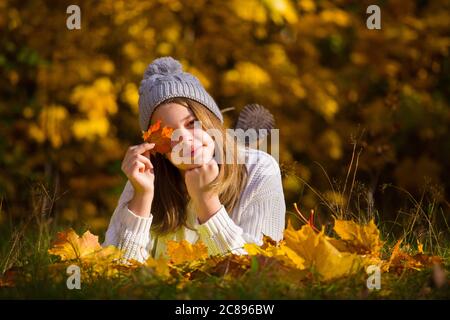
pixel 163 66
pixel 255 116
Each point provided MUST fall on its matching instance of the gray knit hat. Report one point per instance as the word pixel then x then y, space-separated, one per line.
pixel 164 79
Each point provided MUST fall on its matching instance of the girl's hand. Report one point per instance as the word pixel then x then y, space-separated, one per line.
pixel 206 202
pixel 138 168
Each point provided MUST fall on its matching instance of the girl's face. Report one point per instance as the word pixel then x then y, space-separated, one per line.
pixel 191 145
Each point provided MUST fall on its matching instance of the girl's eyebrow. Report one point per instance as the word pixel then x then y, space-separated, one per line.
pixel 187 118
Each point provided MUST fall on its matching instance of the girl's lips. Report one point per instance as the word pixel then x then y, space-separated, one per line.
pixel 194 150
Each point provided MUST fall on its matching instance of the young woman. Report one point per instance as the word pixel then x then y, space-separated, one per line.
pixel 225 204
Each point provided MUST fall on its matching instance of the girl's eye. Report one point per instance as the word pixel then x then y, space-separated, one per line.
pixel 191 123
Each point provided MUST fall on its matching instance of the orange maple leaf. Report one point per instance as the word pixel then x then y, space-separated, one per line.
pixel 161 137
pixel 68 245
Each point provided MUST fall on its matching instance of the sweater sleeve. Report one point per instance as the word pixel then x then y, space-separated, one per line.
pixel 128 231
pixel 262 212
pixel 221 234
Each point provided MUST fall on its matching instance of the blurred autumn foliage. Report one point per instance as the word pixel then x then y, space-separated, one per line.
pixel 68 106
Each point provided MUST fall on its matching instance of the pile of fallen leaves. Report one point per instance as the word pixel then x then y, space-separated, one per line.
pixel 302 255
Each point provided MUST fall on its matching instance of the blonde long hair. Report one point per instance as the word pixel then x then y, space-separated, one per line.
pixel 171 197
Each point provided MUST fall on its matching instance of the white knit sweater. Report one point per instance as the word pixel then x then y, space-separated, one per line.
pixel 261 211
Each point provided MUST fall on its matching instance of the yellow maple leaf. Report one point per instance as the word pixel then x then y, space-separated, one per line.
pixel 69 246
pixel 320 254
pixel 95 259
pixel 184 251
pixel 357 238
pixel 160 265
pixel 105 261
pixel 280 252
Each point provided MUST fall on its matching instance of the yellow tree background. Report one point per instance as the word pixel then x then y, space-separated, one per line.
pixel 68 98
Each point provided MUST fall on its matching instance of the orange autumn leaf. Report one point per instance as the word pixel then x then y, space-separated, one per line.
pixel 357 238
pixel 95 259
pixel 68 245
pixel 184 251
pixel 161 137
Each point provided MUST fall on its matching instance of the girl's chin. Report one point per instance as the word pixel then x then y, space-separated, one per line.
pixel 186 167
